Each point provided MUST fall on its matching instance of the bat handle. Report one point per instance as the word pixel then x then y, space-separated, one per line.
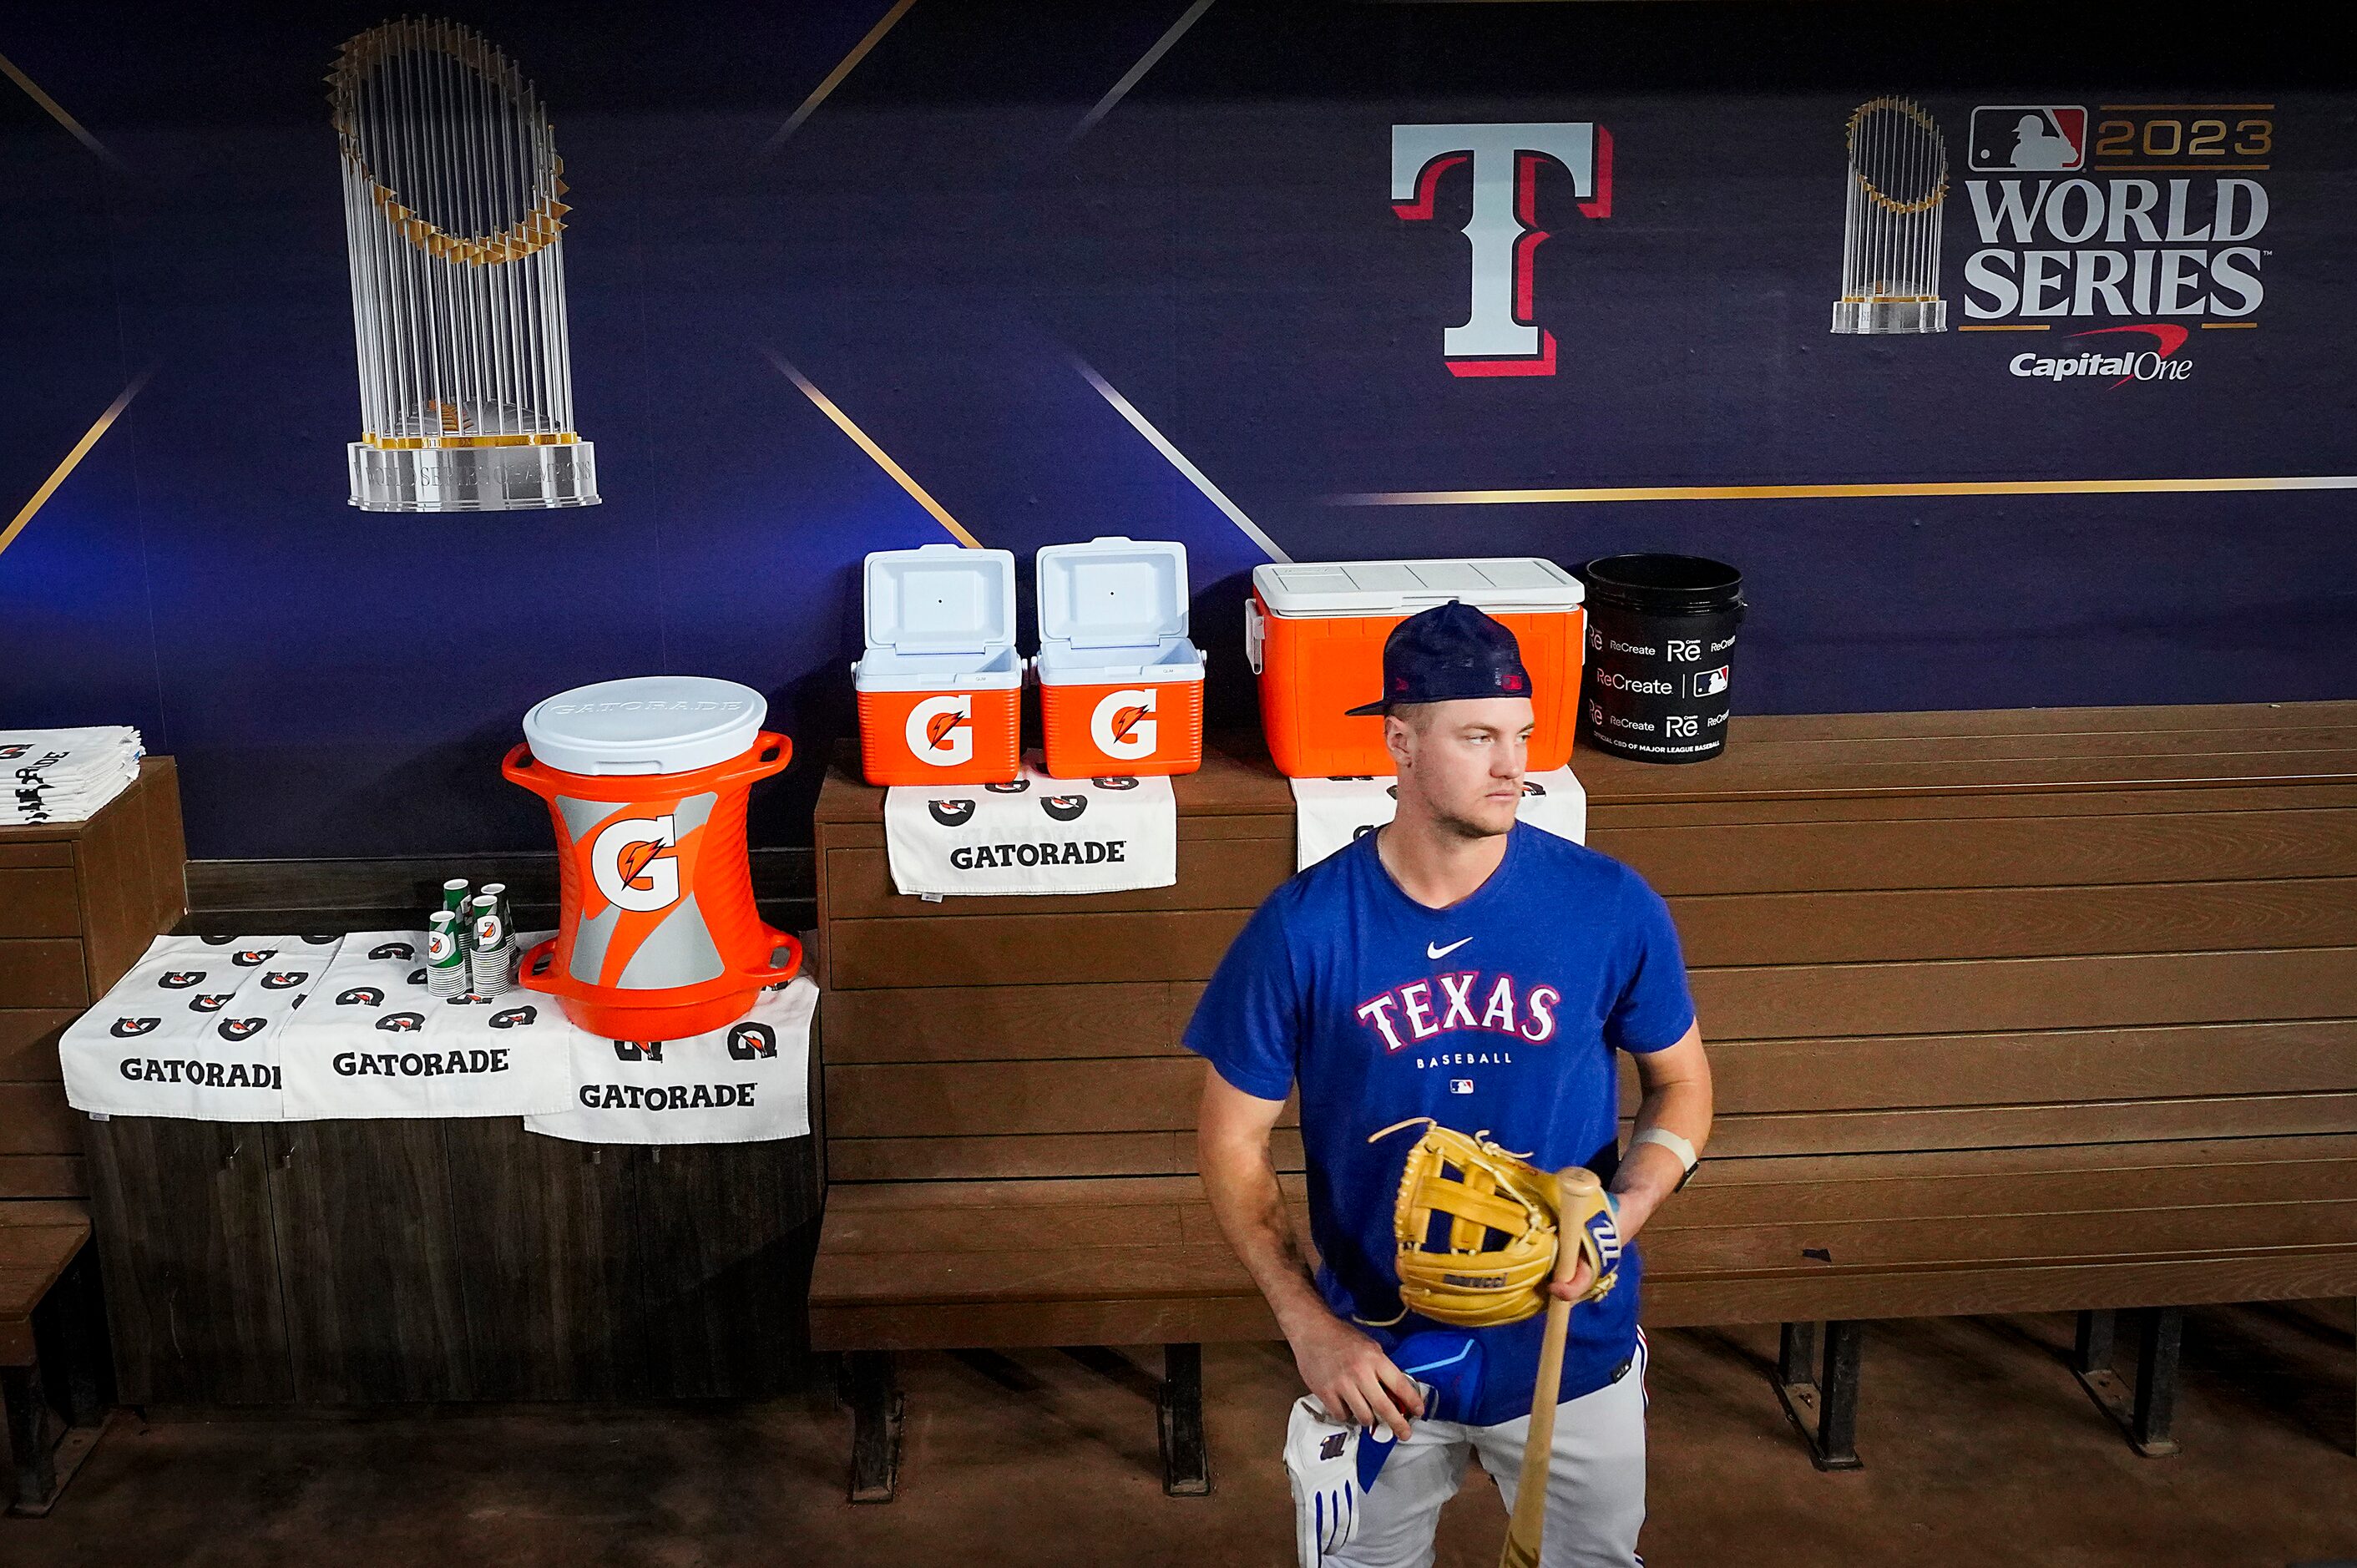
pixel 1524 1529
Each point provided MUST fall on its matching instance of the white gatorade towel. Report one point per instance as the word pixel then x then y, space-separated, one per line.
pixel 1330 813
pixel 747 1083
pixel 195 1030
pixel 1036 834
pixel 372 1042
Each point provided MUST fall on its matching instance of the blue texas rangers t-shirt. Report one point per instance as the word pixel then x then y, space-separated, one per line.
pixel 1500 1014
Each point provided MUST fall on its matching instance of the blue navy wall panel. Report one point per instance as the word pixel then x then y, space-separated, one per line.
pixel 935 249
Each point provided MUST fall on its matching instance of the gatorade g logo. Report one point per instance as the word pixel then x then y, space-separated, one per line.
pixel 749 1041
pixel 254 957
pixel 1123 724
pixel 1016 788
pixel 238 1028
pixel 638 1050
pixel 282 979
pixel 212 1003
pixel 361 996
pixel 401 1023
pixel 1122 781
pixel 632 869
pixel 416 977
pixel 10 753
pixel 950 813
pixel 941 731
pixel 1064 808
pixel 513 1017
pixel 1533 787
pixel 440 945
pixel 126 1028
pixel 391 949
pixel 487 934
pixel 181 979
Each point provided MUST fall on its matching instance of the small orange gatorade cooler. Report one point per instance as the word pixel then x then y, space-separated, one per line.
pixel 646 780
pixel 940 686
pixel 1314 634
pixel 1121 689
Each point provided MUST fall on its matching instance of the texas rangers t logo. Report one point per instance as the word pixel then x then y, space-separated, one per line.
pixel 1500 335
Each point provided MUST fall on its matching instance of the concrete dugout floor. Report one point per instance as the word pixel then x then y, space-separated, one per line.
pixel 1979 1449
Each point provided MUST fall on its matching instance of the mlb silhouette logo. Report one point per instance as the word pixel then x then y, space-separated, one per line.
pixel 1711 683
pixel 2037 138
pixel 1461 1086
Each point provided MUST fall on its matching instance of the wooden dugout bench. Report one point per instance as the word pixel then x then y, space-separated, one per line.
pixel 2023 1011
pixel 78 904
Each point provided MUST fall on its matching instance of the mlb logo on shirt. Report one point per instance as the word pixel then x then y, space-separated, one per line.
pixel 1461 1086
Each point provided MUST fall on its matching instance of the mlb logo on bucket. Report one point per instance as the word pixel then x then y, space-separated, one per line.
pixel 2037 136
pixel 1710 683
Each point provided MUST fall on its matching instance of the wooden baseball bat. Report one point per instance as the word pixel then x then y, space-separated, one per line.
pixel 1523 1531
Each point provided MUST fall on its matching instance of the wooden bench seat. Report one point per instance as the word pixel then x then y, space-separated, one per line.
pixel 46 1267
pixel 2009 1012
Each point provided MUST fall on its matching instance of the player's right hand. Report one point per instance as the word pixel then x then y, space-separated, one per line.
pixel 1351 1377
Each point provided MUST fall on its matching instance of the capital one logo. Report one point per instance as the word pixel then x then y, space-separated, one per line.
pixel 941 731
pixel 1123 724
pixel 629 866
pixel 1500 335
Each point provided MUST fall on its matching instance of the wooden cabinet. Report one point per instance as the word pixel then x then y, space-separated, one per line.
pixel 79 903
pixel 181 1212
pixel 364 1263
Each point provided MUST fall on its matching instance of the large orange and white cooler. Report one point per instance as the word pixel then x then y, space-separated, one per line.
pixel 646 781
pixel 1121 689
pixel 1314 634
pixel 940 686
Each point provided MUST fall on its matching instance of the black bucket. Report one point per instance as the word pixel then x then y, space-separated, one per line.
pixel 1661 656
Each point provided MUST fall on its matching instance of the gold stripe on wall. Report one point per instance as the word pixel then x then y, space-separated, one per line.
pixel 1845 492
pixel 56 111
pixel 81 449
pixel 883 459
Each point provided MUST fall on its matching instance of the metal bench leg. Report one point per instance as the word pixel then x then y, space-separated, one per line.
pixel 27 1414
pixel 1185 1458
pixel 1796 1356
pixel 2091 1350
pixel 2155 1391
pixel 82 1340
pixel 2144 1414
pixel 1823 1404
pixel 876 1405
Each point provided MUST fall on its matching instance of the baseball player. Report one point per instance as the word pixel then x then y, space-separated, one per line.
pixel 1462 967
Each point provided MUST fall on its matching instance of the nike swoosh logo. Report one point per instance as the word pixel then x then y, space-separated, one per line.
pixel 1431 951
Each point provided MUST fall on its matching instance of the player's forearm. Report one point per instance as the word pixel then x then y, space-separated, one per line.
pixel 1650 1172
pixel 1250 1207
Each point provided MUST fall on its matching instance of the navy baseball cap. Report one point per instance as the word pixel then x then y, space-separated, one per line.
pixel 1448 653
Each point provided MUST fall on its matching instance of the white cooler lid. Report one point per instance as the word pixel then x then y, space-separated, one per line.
pixel 1525 583
pixel 648 723
pixel 1112 592
pixel 940 598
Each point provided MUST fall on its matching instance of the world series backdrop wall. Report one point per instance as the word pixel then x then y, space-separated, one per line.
pixel 1317 281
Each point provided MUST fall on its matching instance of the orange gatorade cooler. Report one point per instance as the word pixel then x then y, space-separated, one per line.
pixel 940 685
pixel 1314 633
pixel 1121 689
pixel 646 780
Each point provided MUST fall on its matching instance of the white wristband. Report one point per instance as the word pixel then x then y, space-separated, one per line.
pixel 1670 1140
